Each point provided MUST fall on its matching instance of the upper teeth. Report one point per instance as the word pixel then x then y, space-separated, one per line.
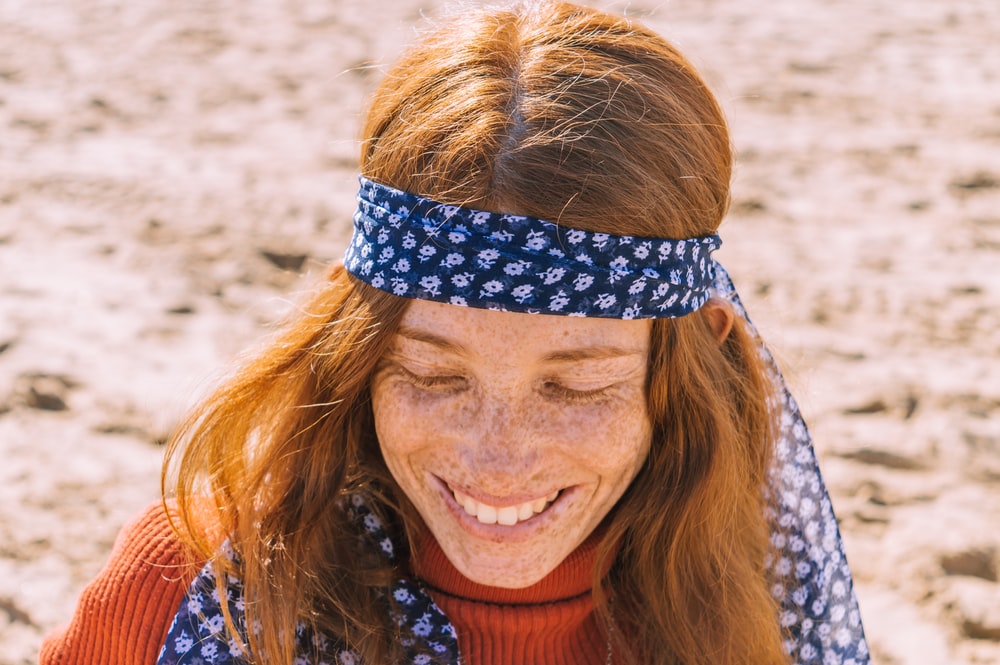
pixel 506 515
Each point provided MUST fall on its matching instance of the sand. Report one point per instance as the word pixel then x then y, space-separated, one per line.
pixel 173 175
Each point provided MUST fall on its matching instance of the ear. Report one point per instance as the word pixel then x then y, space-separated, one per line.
pixel 720 316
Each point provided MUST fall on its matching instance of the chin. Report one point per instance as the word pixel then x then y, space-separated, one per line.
pixel 503 572
pixel 505 579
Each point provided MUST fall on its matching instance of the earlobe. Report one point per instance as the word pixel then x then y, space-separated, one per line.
pixel 720 316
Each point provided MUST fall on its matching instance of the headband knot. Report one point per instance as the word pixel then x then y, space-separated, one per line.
pixel 414 247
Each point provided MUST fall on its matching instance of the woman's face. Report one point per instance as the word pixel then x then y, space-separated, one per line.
pixel 512 434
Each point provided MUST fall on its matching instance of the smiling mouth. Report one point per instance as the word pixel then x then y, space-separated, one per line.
pixel 503 515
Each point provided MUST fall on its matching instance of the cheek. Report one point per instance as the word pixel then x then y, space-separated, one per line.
pixel 407 419
pixel 612 438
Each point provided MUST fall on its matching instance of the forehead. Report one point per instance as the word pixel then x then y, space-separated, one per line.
pixel 473 329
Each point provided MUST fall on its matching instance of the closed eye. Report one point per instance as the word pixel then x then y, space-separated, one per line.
pixel 442 383
pixel 555 390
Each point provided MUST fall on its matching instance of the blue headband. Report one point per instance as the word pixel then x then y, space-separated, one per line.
pixel 416 248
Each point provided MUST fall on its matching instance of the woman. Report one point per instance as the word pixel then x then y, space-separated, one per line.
pixel 525 421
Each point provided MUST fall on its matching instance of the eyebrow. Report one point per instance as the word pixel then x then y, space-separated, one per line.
pixel 598 352
pixel 426 337
pixel 592 353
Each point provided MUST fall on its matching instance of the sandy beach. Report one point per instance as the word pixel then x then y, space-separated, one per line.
pixel 174 175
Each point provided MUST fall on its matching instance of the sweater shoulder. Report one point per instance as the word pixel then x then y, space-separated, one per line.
pixel 123 615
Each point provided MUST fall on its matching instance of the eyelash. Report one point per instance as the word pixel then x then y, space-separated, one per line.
pixel 442 383
pixel 575 396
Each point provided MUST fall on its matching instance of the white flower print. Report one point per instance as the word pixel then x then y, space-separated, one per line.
pixel 386 254
pixel 583 282
pixel 194 604
pixel 423 626
pixel 522 293
pixel 399 286
pixel 456 238
pixel 234 648
pixel 183 643
pixel 638 286
pixel 426 252
pixel 515 268
pixel 209 651
pixel 552 275
pixel 575 236
pixel 432 283
pixel 462 280
pixel 536 241
pixel 409 241
pixel 215 623
pixel 619 269
pixel 487 258
pixel 605 300
pixel 492 287
pixel 641 250
pixel 453 259
pixel 402 265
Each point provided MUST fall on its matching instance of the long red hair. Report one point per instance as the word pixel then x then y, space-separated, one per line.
pixel 567 114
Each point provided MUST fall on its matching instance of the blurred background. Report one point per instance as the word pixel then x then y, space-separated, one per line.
pixel 175 174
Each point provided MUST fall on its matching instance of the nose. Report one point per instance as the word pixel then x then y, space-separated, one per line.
pixel 504 445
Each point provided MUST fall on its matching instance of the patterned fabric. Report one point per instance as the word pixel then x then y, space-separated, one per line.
pixel 197 635
pixel 413 247
pixel 819 610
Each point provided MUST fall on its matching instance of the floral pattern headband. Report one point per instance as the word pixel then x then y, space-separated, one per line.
pixel 417 248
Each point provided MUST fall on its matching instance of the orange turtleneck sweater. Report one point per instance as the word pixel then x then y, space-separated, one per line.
pixel 123 615
pixel 551 622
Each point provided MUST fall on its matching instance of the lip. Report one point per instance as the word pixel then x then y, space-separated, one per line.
pixel 497 532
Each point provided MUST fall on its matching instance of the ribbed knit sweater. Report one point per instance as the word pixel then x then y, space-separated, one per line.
pixel 123 615
pixel 549 623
